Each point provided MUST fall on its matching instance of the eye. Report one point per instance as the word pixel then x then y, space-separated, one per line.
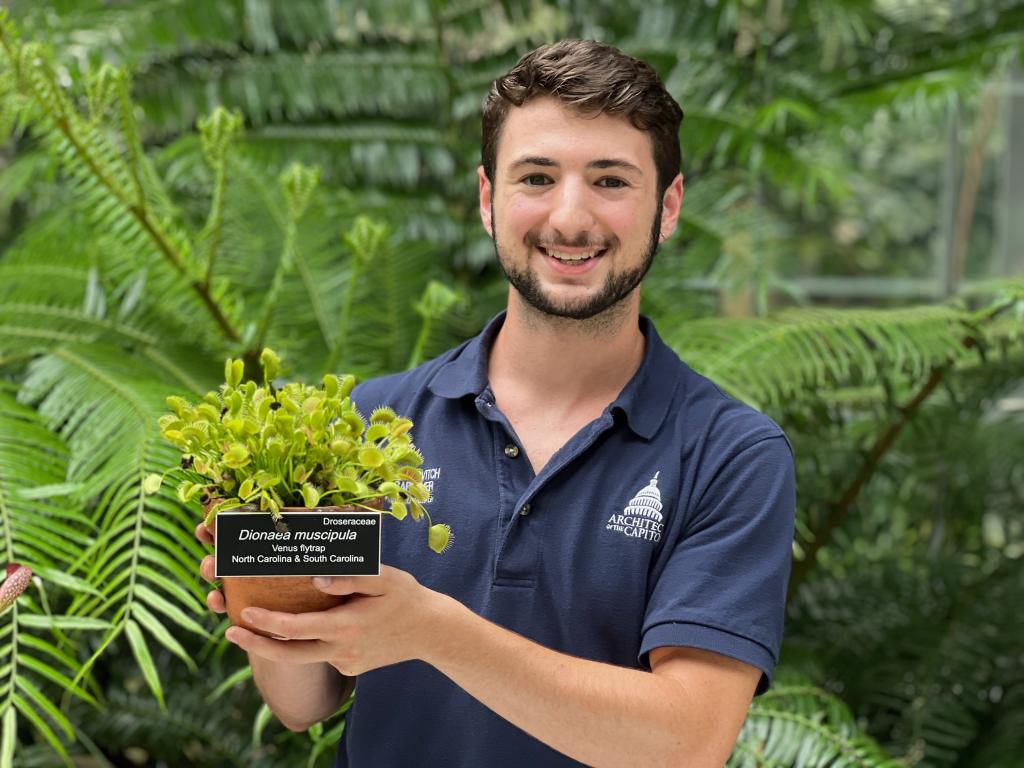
pixel 610 182
pixel 536 180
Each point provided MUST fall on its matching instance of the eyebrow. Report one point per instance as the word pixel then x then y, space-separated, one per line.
pixel 547 162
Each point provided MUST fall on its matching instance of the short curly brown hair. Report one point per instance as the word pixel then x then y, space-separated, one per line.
pixel 592 78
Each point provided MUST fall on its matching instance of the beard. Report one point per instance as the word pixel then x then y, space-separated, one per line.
pixel 616 287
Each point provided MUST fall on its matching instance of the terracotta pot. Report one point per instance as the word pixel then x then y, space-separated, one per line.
pixel 292 594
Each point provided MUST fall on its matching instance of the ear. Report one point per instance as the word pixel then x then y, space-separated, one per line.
pixel 485 200
pixel 671 202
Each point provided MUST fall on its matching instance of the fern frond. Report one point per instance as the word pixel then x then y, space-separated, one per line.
pixel 142 566
pixel 767 361
pixel 390 155
pixel 293 87
pixel 137 31
pixel 45 535
pixel 105 183
pixel 50 295
pixel 804 727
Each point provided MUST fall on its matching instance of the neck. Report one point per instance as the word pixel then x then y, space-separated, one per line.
pixel 536 355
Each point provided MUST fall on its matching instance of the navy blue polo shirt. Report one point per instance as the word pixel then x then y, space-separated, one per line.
pixel 667 521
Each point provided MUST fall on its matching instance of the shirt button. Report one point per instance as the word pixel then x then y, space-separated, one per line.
pixel 525 510
pixel 511 450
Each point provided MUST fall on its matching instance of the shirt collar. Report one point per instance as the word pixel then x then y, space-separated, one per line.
pixel 644 401
pixel 466 373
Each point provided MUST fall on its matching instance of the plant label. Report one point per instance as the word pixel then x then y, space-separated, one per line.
pixel 327 543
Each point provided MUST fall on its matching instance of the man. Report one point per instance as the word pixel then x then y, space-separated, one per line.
pixel 622 530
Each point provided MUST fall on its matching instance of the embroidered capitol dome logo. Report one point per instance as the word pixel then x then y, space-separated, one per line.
pixel 642 518
pixel 647 502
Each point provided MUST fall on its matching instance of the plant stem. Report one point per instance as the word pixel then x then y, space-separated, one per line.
pixel 337 356
pixel 284 266
pixel 840 509
pixel 421 342
pixel 215 225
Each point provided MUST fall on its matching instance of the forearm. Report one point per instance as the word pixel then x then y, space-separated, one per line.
pixel 599 714
pixel 300 694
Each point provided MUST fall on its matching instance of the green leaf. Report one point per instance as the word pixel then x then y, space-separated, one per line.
pixel 169 609
pixel 310 495
pixel 9 740
pixel 44 704
pixel 159 631
pixel 60 679
pixel 439 537
pixel 144 660
pixel 238 676
pixel 259 724
pixel 152 484
pixel 371 457
pixel 41 725
pixel 377 432
pixel 63 622
pixel 66 580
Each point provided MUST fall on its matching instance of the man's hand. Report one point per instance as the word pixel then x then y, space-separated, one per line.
pixel 214 598
pixel 388 619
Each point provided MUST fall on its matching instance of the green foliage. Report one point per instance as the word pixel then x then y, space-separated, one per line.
pixel 297 445
pixel 34 650
pixel 803 726
pixel 326 207
pixel 769 361
pixel 104 305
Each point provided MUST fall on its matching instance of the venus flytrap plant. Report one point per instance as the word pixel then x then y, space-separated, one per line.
pixel 255 445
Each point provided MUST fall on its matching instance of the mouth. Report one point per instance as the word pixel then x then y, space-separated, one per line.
pixel 572 261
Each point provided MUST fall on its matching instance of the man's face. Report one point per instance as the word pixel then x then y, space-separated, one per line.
pixel 574 210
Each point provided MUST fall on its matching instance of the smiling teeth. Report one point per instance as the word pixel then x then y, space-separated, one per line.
pixel 573 256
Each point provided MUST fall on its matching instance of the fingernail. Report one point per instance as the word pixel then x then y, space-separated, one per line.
pixel 321 582
pixel 249 615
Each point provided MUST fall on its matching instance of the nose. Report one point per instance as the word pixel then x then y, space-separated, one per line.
pixel 570 216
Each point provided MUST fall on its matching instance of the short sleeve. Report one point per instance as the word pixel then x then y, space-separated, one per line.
pixel 723 585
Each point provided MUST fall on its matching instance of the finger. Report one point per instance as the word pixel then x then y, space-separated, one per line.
pixel 215 601
pixel 351 585
pixel 288 651
pixel 203 534
pixel 315 625
pixel 207 568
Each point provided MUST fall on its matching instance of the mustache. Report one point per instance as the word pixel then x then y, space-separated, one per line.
pixel 583 241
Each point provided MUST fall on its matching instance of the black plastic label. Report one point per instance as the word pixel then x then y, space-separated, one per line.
pixel 328 543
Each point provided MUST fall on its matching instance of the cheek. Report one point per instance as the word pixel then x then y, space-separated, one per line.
pixel 628 222
pixel 624 222
pixel 521 215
